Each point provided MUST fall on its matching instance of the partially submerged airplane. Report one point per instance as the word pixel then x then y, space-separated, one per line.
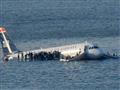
pixel 82 51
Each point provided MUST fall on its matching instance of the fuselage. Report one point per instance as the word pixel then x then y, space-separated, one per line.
pixel 83 50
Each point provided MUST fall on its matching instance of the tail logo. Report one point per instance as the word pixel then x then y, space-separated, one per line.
pixel 7 45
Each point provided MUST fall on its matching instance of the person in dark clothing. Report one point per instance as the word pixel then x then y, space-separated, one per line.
pixel 22 56
pixel 18 56
pixel 26 57
pixel 30 55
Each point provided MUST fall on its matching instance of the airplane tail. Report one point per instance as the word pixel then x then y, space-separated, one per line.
pixel 7 45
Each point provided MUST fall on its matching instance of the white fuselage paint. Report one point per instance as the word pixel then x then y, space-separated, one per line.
pixel 70 50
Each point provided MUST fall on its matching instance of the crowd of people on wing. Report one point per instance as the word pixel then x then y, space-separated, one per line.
pixel 39 56
pixel 55 55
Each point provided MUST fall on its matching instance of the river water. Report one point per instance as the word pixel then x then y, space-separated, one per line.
pixel 43 23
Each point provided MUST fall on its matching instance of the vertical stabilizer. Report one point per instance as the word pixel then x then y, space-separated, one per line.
pixel 7 45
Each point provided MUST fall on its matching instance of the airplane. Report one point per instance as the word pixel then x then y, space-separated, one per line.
pixel 80 51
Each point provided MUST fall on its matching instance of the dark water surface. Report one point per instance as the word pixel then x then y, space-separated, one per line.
pixel 55 75
pixel 34 24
